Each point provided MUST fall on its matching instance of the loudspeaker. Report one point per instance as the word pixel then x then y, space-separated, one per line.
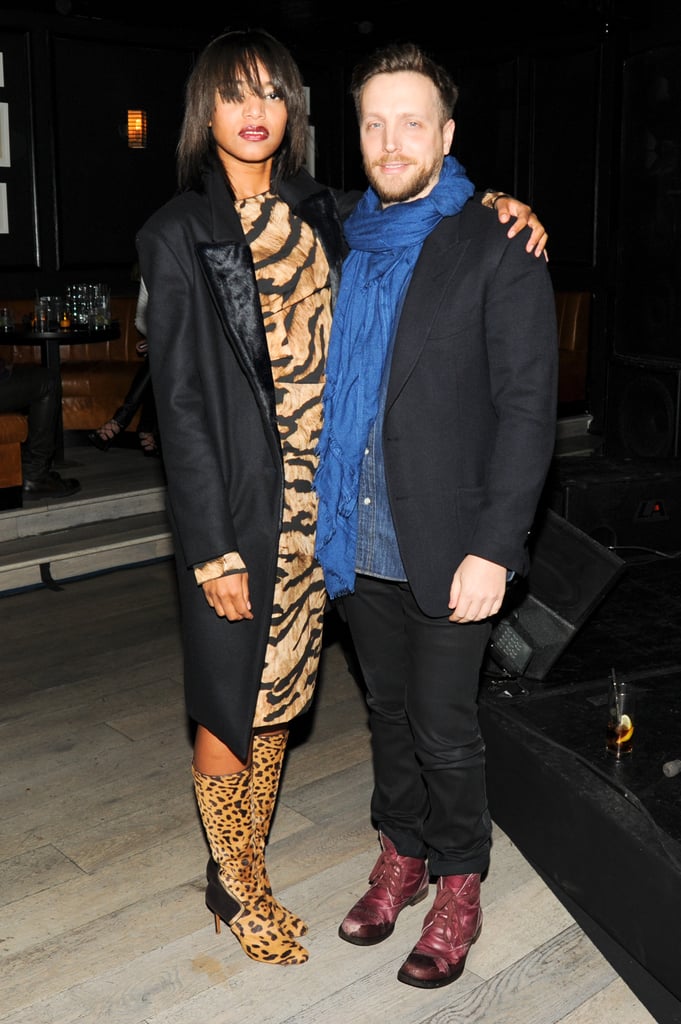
pixel 643 418
pixel 570 573
pixel 621 503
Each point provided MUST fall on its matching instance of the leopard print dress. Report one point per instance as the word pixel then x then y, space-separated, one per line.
pixel 293 282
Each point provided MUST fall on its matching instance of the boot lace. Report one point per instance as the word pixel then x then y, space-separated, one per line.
pixel 444 917
pixel 388 872
pixel 446 921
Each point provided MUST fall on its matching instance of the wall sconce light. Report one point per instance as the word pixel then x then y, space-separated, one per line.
pixel 137 129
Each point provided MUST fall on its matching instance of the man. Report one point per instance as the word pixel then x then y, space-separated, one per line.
pixel 36 391
pixel 439 430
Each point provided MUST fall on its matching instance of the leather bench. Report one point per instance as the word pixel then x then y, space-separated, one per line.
pixel 573 309
pixel 13 430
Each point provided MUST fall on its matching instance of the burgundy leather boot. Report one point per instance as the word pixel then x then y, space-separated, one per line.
pixel 395 883
pixel 450 928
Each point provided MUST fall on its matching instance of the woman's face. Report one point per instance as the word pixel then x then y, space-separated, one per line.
pixel 250 130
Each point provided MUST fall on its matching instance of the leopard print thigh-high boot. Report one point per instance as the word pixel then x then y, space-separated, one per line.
pixel 267 760
pixel 236 892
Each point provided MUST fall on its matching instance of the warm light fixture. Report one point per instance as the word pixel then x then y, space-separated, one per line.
pixel 137 129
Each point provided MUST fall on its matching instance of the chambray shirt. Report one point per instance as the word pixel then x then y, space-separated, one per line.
pixel 377 551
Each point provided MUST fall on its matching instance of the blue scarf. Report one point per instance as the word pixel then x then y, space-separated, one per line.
pixel 385 245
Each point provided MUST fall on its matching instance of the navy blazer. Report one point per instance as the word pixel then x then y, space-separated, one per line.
pixel 469 427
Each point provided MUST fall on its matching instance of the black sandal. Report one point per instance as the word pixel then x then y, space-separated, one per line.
pixel 148 444
pixel 104 435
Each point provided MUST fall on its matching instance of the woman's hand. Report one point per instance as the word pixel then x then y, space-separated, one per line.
pixel 229 596
pixel 507 207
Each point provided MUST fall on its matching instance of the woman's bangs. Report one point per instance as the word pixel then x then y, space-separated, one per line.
pixel 243 77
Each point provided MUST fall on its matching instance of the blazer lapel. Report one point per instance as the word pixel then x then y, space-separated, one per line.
pixel 433 279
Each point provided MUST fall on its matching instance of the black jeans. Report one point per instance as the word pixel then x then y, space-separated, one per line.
pixel 422 678
pixel 36 391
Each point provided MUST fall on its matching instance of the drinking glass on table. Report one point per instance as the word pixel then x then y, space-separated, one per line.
pixel 619 737
pixel 78 305
pixel 99 310
pixel 47 313
pixel 6 319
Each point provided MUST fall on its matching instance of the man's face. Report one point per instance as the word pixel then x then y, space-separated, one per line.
pixel 402 139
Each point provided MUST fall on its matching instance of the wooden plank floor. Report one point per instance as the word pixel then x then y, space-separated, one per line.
pixel 102 858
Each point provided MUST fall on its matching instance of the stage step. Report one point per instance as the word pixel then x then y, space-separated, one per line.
pixel 103 527
pixel 57 556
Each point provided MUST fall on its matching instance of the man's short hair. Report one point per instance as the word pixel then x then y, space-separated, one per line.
pixel 405 57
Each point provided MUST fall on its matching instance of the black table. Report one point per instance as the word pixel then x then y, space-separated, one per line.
pixel 50 355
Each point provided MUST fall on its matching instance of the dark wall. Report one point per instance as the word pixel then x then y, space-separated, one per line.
pixel 102 186
pixel 75 193
pixel 574 108
pixel 648 303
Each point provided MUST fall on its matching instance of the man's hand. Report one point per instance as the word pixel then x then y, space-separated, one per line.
pixel 507 207
pixel 229 596
pixel 477 590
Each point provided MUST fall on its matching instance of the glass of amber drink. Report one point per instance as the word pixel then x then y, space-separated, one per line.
pixel 619 736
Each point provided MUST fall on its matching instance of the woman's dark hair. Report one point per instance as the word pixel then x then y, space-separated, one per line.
pixel 223 66
pixel 405 57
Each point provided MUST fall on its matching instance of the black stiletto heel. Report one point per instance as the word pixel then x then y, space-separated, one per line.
pixel 104 435
pixel 148 445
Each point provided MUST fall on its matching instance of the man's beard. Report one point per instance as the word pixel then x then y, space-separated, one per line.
pixel 392 190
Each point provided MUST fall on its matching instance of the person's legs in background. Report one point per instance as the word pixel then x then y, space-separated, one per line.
pixel 36 391
pixel 139 394
pixel 147 428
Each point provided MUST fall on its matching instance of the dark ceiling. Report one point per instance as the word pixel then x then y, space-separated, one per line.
pixel 295 16
pixel 363 24
pixel 345 19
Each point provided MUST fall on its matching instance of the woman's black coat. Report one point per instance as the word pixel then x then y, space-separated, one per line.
pixel 217 420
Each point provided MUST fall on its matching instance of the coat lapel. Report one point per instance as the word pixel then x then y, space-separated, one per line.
pixel 228 270
pixel 320 211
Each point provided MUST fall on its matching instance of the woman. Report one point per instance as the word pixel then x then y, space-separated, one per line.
pixel 240 268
